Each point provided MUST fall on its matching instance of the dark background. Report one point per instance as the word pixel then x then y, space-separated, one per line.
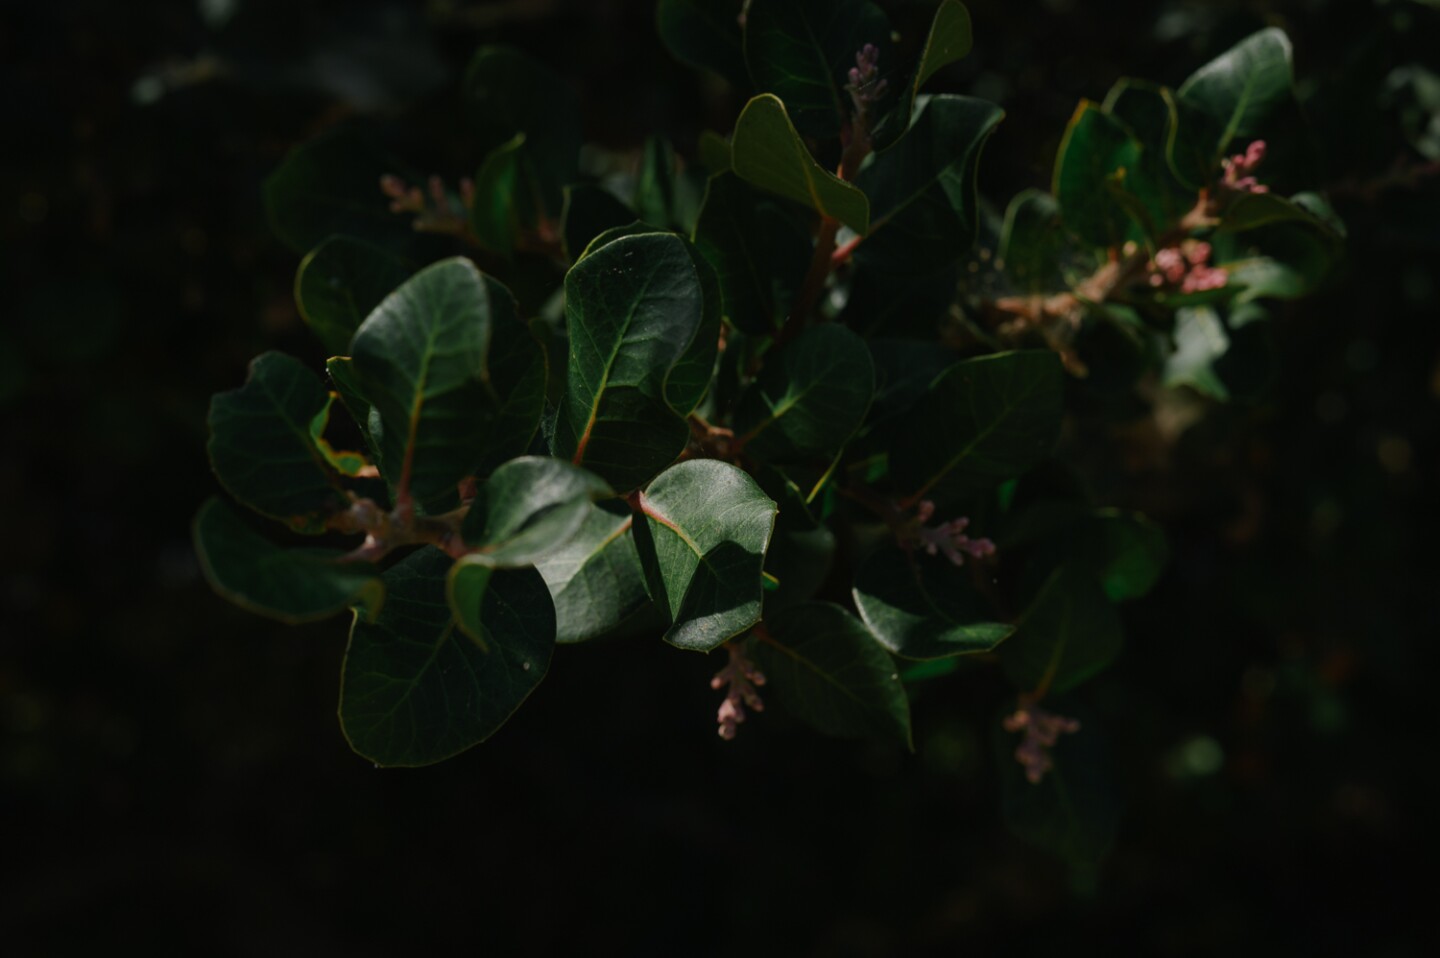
pixel 171 769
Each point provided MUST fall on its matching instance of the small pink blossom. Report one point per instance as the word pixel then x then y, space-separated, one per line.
pixel 1186 267
pixel 864 87
pixel 949 537
pixel 1042 730
pixel 1240 170
pixel 743 677
pixel 436 212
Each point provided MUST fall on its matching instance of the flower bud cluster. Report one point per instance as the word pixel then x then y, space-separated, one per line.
pixel 1187 268
pixel 1042 730
pixel 865 87
pixel 1240 170
pixel 436 213
pixel 742 676
pixel 949 537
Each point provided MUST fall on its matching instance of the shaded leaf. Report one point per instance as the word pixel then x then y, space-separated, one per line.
pixel 714 152
pixel 1097 158
pixel 415 690
pixel 508 197
pixel 263 446
pixel 802 548
pixel 633 308
pixel 1032 243
pixel 923 212
pixel 1242 87
pixel 708 525
pixel 824 666
pixel 921 607
pixel 982 421
pixel 596 579
pixel 1069 633
pixel 292 585
pixel 338 284
pixel 802 51
pixel 704 34
pixel 655 186
pixel 948 41
pixel 590 211
pixel 768 153
pixel 809 398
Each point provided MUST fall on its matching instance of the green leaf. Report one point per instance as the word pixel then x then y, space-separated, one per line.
pixel 262 447
pixel 422 359
pixel 1200 342
pixel 1149 113
pixel 508 93
pixel 519 373
pixel 802 548
pixel 655 185
pixel 704 34
pixel 1074 811
pixel 292 585
pixel 714 152
pixel 1253 210
pixel 633 308
pixel 346 385
pixel 589 212
pixel 823 665
pixel 508 197
pixel 982 421
pixel 769 153
pixel 948 41
pixel 759 252
pixel 415 691
pixel 922 192
pixel 528 507
pixel 1241 88
pixel 596 580
pixel 809 398
pixel 884 304
pixel 904 370
pixel 1124 551
pixel 802 52
pixel 708 526
pixel 331 185
pixel 695 371
pixel 339 283
pixel 1069 633
pixel 1032 243
pixel 923 608
pixel 1097 158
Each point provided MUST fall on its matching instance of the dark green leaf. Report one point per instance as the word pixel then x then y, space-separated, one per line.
pixel 923 608
pixel 883 304
pixel 595 579
pixel 923 212
pixel 519 373
pixel 330 186
pixel 802 51
pixel 770 154
pixel 415 691
pixel 292 585
pixel 1253 210
pixel 509 197
pixel 1032 243
pixel 1097 157
pixel 802 548
pixel 809 398
pixel 507 93
pixel 339 283
pixel 949 40
pixel 633 308
pixel 346 384
pixel 708 526
pixel 655 186
pixel 904 370
pixel 759 252
pixel 1149 113
pixel 983 421
pixel 263 443
pixel 704 34
pixel 1241 88
pixel 422 359
pixel 822 664
pixel 695 370
pixel 714 152
pixel 1069 633
pixel 590 211
pixel 527 508
pixel 1074 811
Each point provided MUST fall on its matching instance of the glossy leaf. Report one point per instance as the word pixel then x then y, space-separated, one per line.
pixel 528 507
pixel 982 421
pixel 802 51
pixel 948 41
pixel 590 211
pixel 1032 243
pixel 1243 86
pixel 1069 633
pixel 708 526
pixel 415 690
pixel 920 607
pixel 1097 158
pixel 809 399
pixel 923 208
pixel 759 252
pixel 704 34
pixel 339 283
pixel 421 358
pixel 595 579
pixel 768 153
pixel 633 308
pixel 346 385
pixel 824 666
pixel 263 447
pixel 292 585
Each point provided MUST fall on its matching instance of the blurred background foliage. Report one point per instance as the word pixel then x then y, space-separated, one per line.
pixel 171 769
